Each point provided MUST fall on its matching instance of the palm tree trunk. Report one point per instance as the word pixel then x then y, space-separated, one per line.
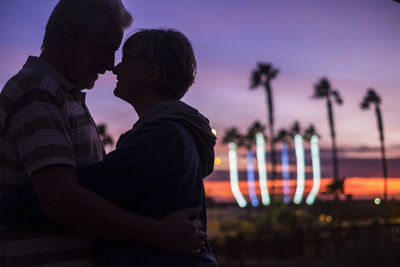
pixel 271 133
pixel 333 136
pixel 381 137
pixel 285 159
pixel 337 211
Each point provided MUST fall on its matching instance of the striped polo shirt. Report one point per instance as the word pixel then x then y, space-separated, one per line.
pixel 43 121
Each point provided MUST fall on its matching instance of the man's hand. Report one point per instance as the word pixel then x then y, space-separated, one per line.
pixel 177 233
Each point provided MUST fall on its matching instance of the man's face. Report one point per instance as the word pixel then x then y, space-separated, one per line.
pixel 94 54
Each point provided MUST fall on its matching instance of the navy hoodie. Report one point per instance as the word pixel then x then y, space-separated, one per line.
pixel 157 168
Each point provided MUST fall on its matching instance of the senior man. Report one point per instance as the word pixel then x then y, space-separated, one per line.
pixel 46 132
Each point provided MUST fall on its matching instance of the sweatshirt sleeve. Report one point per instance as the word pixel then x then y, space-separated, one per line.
pixel 140 164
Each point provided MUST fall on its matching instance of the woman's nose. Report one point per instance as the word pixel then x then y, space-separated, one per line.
pixel 116 69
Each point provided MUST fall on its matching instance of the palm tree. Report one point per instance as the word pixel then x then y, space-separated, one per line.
pixel 286 137
pixel 283 136
pixel 323 89
pixel 309 135
pixel 248 140
pixel 336 186
pixel 233 138
pixel 105 138
pixel 373 98
pixel 255 128
pixel 232 135
pixel 262 76
pixel 295 129
pixel 309 132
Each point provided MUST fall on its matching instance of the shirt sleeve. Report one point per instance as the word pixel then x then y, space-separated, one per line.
pixel 145 161
pixel 38 127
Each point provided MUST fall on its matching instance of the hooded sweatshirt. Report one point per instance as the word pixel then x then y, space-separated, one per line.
pixel 157 168
pixel 183 115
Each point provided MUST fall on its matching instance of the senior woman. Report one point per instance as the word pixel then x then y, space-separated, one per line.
pixel 159 165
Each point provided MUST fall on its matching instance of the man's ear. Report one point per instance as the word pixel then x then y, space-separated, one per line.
pixel 72 32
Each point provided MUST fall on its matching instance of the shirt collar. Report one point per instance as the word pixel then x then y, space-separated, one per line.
pixel 40 64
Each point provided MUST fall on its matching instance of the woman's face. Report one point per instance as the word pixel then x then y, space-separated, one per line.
pixel 132 74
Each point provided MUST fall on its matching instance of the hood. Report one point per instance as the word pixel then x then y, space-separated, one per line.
pixel 191 119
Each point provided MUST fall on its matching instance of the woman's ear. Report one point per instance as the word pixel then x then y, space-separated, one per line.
pixel 153 76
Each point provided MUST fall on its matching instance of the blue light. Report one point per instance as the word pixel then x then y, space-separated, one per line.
pixel 262 170
pixel 234 176
pixel 250 179
pixel 285 172
pixel 316 170
pixel 298 140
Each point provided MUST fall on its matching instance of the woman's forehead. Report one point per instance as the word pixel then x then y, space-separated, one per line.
pixel 132 45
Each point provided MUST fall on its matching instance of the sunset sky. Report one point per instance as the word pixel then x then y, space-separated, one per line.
pixel 356 44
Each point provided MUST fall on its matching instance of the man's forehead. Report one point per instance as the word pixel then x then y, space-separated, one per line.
pixel 109 33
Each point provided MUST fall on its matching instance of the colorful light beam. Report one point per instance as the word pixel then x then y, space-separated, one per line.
pixel 298 140
pixel 250 179
pixel 234 176
pixel 285 172
pixel 316 170
pixel 262 170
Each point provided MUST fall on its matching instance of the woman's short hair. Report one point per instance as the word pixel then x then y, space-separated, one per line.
pixel 173 53
pixel 90 14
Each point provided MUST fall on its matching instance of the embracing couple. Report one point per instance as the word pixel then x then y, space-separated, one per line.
pixel 63 202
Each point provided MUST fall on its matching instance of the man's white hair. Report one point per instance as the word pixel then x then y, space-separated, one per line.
pixel 90 14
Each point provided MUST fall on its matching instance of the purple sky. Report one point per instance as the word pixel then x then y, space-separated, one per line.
pixel 354 43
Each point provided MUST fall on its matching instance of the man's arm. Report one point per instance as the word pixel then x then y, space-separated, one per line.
pixel 67 203
pixel 39 128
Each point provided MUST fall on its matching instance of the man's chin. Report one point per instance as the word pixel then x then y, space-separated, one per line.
pixel 117 94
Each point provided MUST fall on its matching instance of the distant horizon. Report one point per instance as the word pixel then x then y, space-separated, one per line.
pixel 360 188
pixel 350 164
